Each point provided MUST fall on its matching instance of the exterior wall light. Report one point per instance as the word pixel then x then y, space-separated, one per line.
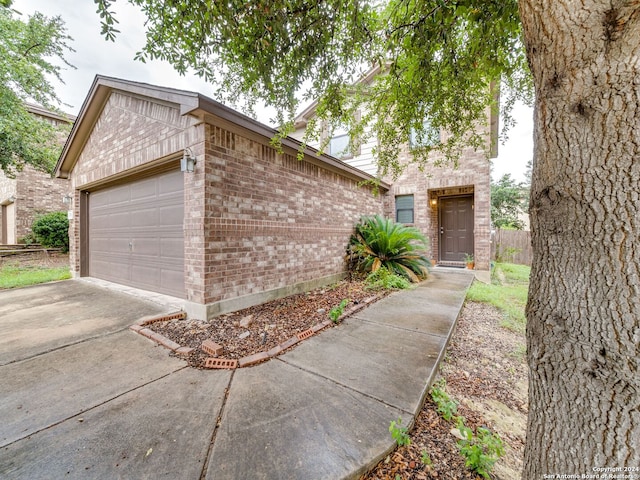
pixel 434 202
pixel 188 161
pixel 67 199
pixel 12 199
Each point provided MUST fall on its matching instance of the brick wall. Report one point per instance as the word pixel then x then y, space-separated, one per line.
pixel 37 193
pixel 472 176
pixel 271 220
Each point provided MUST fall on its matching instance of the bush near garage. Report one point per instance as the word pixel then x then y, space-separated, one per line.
pixel 52 230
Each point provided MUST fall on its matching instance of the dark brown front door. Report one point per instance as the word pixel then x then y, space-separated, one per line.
pixel 456 228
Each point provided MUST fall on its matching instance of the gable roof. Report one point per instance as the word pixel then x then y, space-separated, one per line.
pixel 189 103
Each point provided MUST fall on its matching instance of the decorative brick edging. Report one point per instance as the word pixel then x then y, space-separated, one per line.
pixel 212 348
pixel 140 327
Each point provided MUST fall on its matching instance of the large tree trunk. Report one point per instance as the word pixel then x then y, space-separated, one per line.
pixel 583 315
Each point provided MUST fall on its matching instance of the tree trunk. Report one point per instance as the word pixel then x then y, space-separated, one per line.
pixel 583 315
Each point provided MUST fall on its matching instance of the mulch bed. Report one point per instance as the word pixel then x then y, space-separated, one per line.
pixel 430 433
pixel 269 324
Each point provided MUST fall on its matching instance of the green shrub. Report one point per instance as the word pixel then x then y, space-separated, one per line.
pixel 336 311
pixel 399 433
pixel 28 239
pixel 383 279
pixel 381 242
pixel 445 405
pixel 52 230
pixel 481 451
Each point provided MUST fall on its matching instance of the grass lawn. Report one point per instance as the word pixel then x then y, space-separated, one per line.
pixel 13 276
pixel 508 291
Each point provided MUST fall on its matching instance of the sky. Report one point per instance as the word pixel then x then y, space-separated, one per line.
pixel 93 55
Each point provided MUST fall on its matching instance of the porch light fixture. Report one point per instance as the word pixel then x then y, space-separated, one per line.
pixel 188 162
pixel 434 202
pixel 12 199
pixel 67 199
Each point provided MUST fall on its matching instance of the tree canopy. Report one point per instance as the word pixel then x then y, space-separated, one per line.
pixel 31 51
pixel 438 59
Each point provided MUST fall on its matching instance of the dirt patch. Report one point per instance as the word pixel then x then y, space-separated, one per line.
pixel 41 259
pixel 263 327
pixel 485 372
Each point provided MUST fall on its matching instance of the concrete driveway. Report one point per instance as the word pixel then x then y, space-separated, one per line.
pixel 82 396
pixel 42 318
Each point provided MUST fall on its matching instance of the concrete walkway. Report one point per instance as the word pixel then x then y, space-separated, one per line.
pixel 117 406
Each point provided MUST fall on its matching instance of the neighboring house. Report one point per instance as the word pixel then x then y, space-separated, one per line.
pixel 30 193
pixel 451 206
pixel 246 225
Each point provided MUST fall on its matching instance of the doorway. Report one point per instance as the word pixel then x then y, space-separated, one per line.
pixel 456 222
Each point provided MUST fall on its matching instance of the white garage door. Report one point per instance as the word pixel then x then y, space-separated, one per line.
pixel 136 234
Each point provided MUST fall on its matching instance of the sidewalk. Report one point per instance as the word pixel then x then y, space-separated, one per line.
pixel 320 411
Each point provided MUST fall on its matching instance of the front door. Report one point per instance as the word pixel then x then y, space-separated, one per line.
pixel 456 228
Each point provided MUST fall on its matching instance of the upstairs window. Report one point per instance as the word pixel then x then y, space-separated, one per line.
pixel 340 143
pixel 429 137
pixel 404 208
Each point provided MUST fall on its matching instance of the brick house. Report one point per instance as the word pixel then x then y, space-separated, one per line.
pixel 451 206
pixel 245 225
pixel 31 192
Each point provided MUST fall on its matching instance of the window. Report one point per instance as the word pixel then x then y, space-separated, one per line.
pixel 340 144
pixel 428 138
pixel 404 208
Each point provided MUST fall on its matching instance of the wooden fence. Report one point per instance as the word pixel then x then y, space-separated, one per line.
pixel 512 246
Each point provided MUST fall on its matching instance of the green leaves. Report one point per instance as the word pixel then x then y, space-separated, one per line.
pixel 52 230
pixel 481 451
pixel 29 51
pixel 508 200
pixel 399 433
pixel 438 59
pixel 380 242
pixel 445 405
pixel 336 312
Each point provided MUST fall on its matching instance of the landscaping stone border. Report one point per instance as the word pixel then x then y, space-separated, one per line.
pixel 215 362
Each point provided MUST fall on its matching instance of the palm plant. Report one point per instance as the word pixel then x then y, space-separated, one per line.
pixel 380 242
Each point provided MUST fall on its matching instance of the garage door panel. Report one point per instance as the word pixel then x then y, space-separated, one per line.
pixel 113 267
pixel 149 247
pixel 136 234
pixel 145 218
pixel 172 248
pixel 172 214
pixel 169 185
pixel 145 189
